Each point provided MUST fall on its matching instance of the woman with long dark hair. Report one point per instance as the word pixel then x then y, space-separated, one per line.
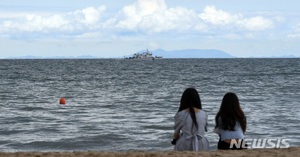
pixel 190 123
pixel 230 123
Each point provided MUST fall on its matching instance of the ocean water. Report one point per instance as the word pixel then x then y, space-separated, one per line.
pixel 129 105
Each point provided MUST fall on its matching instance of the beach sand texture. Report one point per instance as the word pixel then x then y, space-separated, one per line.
pixel 283 152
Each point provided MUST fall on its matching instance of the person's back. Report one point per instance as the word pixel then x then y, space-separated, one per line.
pixel 230 123
pixel 191 138
pixel 190 123
pixel 237 133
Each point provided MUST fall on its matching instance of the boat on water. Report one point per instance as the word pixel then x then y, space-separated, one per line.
pixel 144 55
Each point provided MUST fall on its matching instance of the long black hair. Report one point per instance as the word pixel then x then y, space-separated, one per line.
pixel 230 112
pixel 190 99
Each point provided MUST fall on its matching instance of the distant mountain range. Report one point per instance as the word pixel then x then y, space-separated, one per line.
pixel 192 53
pixel 53 57
pixel 186 53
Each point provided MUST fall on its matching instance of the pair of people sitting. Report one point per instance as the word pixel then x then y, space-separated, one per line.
pixel 191 123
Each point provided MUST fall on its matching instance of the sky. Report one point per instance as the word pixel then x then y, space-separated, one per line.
pixel 117 28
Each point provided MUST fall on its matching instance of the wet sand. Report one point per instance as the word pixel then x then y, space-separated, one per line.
pixel 287 152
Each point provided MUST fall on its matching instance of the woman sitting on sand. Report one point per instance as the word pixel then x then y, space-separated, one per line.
pixel 190 123
pixel 230 123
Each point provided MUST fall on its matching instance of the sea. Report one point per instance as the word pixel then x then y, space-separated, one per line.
pixel 120 105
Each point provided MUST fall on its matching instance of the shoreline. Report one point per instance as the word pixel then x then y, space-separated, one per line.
pixel 287 152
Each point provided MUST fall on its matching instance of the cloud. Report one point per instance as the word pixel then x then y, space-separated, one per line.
pixel 68 22
pixel 296 32
pixel 153 16
pixel 280 19
pixel 141 17
pixel 88 16
pixel 297 28
pixel 177 19
pixel 218 17
pixel 294 35
pixel 132 15
pixel 221 18
pixel 32 23
pixel 256 23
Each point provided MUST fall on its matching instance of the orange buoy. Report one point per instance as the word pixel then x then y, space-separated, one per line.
pixel 62 101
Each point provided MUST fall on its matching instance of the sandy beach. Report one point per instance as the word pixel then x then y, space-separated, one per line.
pixel 287 152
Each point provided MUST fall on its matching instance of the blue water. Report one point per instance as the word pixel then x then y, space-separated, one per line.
pixel 129 105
